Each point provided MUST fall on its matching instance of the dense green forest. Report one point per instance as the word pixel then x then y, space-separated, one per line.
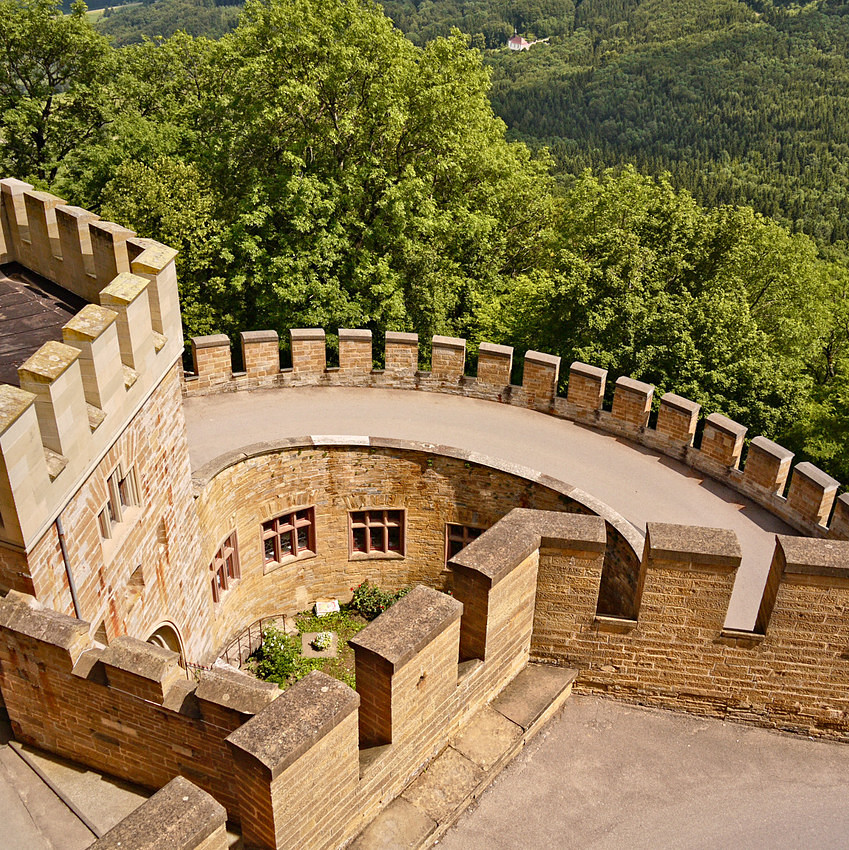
pixel 132 23
pixel 316 168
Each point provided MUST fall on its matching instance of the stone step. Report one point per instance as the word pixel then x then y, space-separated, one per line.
pixel 491 739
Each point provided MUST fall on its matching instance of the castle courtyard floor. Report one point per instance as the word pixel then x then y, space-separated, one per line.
pixel 607 775
pixel 640 485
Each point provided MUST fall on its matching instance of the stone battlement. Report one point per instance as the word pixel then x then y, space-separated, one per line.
pixel 527 587
pixel 714 447
pixel 76 396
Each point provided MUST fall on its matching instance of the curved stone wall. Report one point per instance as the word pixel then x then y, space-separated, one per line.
pixel 433 485
pixel 676 426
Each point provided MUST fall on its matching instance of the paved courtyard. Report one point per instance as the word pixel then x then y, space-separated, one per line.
pixel 607 775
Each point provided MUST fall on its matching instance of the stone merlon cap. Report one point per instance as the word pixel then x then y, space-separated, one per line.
pixel 49 362
pixel 22 614
pixel 596 373
pixel 402 337
pixel 298 719
pixel 726 425
pixel 449 342
pixel 766 446
pixel 139 658
pixel 125 288
pixel 13 402
pixel 403 630
pixel 76 212
pixel 236 690
pixel 814 556
pixel 816 475
pixel 211 341
pixel 153 258
pixel 494 350
pixel 178 817
pixel 307 333
pixel 89 323
pixel 112 230
pixel 633 386
pixel 543 359
pixel 677 402
pixel 44 197
pixel 501 548
pixel 694 544
pixel 256 336
pixel 355 333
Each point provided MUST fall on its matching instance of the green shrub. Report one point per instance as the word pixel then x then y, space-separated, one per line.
pixel 370 601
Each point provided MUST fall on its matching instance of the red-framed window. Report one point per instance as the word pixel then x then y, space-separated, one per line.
pixel 376 532
pixel 225 566
pixel 290 535
pixel 457 537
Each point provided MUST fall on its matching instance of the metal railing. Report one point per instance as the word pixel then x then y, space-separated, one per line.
pixel 247 642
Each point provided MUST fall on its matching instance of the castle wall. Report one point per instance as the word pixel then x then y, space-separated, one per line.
pixel 127 709
pixel 433 490
pixel 806 504
pixel 791 673
pixel 148 572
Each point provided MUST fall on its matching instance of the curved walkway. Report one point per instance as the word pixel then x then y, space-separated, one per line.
pixel 635 482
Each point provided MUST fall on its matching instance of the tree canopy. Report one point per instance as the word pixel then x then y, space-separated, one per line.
pixel 316 168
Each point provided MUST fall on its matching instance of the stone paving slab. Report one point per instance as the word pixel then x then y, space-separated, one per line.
pixel 530 695
pixel 462 772
pixel 487 739
pixel 399 825
pixel 446 782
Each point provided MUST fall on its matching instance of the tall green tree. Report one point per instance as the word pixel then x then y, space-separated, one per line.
pixel 55 92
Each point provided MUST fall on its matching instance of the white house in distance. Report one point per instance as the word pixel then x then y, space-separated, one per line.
pixel 516 42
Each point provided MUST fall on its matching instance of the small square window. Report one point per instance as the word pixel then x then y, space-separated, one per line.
pixel 289 536
pixel 376 532
pixel 120 494
pixel 457 537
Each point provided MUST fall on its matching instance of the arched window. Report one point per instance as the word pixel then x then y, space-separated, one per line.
pixel 168 637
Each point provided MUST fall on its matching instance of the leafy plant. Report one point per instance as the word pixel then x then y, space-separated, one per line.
pixel 370 601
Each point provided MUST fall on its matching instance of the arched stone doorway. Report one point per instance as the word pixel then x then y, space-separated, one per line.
pixel 168 637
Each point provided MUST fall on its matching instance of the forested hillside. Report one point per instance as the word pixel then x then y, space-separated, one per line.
pixel 316 168
pixel 742 102
pixel 132 23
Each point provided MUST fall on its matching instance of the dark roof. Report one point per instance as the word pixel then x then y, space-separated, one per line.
pixel 32 311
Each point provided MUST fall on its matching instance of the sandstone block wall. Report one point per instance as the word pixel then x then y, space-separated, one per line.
pixel 148 573
pixel 335 480
pixel 127 710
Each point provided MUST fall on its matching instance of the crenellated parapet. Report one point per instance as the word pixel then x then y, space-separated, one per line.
pixel 714 445
pixel 78 394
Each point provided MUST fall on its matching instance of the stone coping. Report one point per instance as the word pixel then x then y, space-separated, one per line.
pixel 817 476
pixel 354 333
pixel 726 425
pixel 808 556
pixel 42 623
pixel 139 658
pixel 178 817
pixel 595 372
pixel 769 447
pixel 235 690
pixel 449 342
pixel 495 350
pixel 295 721
pixel 212 341
pixel 633 537
pixel 684 405
pixel 259 336
pixel 413 622
pixel 514 537
pixel 307 333
pixel 631 385
pixel 697 545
